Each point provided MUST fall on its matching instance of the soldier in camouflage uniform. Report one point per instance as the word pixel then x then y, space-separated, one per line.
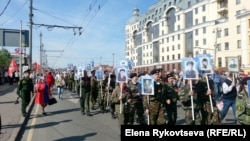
pixel 203 92
pixel 85 94
pixel 94 90
pixel 24 89
pixel 120 97
pixel 185 99
pixel 135 100
pixel 71 80
pixel 102 94
pixel 170 94
pixel 243 104
pixel 153 104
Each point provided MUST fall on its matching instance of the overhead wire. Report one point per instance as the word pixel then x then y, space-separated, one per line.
pixel 5 8
pixel 14 13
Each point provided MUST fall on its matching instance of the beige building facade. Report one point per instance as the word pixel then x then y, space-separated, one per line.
pixel 175 29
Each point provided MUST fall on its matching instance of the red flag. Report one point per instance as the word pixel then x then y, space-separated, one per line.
pixel 13 67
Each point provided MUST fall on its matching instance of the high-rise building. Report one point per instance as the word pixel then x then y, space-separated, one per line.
pixel 173 29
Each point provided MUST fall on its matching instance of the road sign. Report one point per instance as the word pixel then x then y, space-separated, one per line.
pixel 11 38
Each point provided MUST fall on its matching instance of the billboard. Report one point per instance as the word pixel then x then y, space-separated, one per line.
pixel 11 38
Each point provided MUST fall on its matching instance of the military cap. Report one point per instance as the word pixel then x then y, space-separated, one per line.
pixel 93 71
pixel 160 70
pixel 133 75
pixel 244 80
pixel 27 71
pixel 169 75
pixel 154 71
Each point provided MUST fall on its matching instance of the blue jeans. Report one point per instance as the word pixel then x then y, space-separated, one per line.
pixel 226 105
pixel 59 91
pixel 217 90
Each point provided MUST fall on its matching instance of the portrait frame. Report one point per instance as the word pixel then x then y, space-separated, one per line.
pixel 80 72
pixel 125 76
pixel 99 75
pixel 186 71
pixel 144 80
pixel 235 67
pixel 207 58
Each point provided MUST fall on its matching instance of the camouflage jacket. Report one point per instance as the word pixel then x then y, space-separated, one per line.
pixel 185 98
pixel 243 108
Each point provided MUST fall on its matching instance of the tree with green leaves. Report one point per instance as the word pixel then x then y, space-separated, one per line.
pixel 5 57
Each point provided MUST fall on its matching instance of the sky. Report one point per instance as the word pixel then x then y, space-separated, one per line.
pixel 102 21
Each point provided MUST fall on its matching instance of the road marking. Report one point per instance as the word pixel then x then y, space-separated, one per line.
pixel 31 131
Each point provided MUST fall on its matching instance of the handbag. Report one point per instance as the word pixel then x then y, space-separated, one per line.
pixel 52 101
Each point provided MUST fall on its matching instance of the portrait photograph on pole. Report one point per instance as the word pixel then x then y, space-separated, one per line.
pixel 122 75
pixel 233 65
pixel 189 66
pixel 99 75
pixel 147 85
pixel 205 63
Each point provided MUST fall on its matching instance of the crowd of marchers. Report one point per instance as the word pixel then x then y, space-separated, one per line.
pixel 205 101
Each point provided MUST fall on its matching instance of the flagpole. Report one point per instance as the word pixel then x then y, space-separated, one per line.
pixel 21 51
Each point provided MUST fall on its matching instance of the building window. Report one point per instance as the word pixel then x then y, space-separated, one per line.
pixel 218 47
pixel 167 57
pixel 238 29
pixel 237 1
pixel 219 62
pixel 196 21
pixel 178 18
pixel 172 38
pixel 179 46
pixel 173 47
pixel 189 4
pixel 167 40
pixel 204 41
pixel 204 30
pixel 173 57
pixel 167 48
pixel 218 33
pixel 178 36
pixel 203 8
pixel 178 27
pixel 226 31
pixel 226 46
pixel 196 32
pixel 162 58
pixel 162 50
pixel 238 12
pixel 196 10
pixel 179 56
pixel 239 43
pixel 196 42
pixel 204 19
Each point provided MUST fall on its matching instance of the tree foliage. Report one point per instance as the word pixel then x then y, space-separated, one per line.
pixel 5 57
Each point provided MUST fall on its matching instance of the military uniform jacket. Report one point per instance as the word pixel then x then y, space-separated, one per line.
pixel 170 93
pixel 185 98
pixel 133 90
pixel 86 83
pixel 25 85
pixel 157 97
pixel 115 99
pixel 243 108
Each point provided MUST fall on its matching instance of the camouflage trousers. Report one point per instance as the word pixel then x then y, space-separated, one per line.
pixel 102 100
pixel 136 108
pixel 189 118
pixel 156 113
pixel 209 117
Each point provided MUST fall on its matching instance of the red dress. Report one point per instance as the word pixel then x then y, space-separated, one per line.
pixel 42 93
pixel 50 81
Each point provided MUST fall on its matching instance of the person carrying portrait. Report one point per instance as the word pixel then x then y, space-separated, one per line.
pixel 110 88
pixel 102 94
pixel 186 103
pixel 135 100
pixel 204 90
pixel 243 104
pixel 24 90
pixel 153 104
pixel 94 90
pixel 170 96
pixel 84 85
pixel 121 94
pixel 147 86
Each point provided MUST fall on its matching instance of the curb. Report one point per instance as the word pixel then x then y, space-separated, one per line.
pixel 17 133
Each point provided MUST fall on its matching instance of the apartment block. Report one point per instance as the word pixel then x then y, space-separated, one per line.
pixel 174 29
